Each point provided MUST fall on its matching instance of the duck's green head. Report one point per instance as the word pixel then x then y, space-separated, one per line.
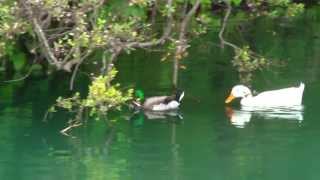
pixel 139 94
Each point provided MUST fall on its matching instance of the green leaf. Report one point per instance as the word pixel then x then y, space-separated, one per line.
pixel 236 2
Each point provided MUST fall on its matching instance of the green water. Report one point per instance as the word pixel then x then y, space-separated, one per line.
pixel 208 141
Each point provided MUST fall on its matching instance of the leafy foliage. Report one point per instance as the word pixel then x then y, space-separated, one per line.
pixel 247 62
pixel 10 25
pixel 101 98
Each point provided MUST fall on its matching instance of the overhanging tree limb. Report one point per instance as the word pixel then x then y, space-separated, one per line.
pixel 182 42
pixel 223 27
pixel 41 35
pixel 166 32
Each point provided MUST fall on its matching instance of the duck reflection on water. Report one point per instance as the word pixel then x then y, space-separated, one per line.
pixel 139 117
pixel 241 117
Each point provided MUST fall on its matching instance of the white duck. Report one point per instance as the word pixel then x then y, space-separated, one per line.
pixel 291 96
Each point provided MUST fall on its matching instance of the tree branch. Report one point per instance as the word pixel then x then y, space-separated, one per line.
pixel 78 63
pixel 224 24
pixel 166 32
pixel 186 19
pixel 154 12
pixel 21 78
pixel 112 59
pixel 41 35
pixel 182 42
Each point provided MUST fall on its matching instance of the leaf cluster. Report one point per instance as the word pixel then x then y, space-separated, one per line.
pixel 102 97
pixel 247 62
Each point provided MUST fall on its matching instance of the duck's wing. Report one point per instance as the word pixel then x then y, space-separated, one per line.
pixel 286 96
pixel 166 106
pixel 149 102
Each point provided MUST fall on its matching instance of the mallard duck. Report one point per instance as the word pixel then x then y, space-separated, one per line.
pixel 291 96
pixel 158 103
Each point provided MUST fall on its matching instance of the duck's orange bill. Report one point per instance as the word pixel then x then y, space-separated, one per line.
pixel 229 99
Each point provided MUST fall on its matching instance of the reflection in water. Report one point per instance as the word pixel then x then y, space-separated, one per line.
pixel 237 117
pixel 162 115
pixel 240 118
pixel 139 116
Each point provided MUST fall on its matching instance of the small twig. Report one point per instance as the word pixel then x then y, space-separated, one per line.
pixel 64 131
pixel 166 32
pixel 74 73
pixel 45 117
pixel 65 59
pixel 20 79
pixel 224 24
pixel 55 36
pixel 104 63
pixel 57 29
pixel 154 12
pixel 112 59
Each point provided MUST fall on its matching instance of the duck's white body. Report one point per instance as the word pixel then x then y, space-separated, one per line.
pixel 158 103
pixel 161 103
pixel 283 97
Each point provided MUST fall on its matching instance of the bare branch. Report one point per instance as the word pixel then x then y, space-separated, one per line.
pixel 182 42
pixel 64 131
pixel 104 63
pixel 41 35
pixel 186 19
pixel 78 63
pixel 154 12
pixel 20 79
pixel 113 58
pixel 166 33
pixel 224 24
pixel 77 121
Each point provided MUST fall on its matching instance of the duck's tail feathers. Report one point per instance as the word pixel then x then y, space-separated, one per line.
pixel 301 86
pixel 179 96
pixel 136 104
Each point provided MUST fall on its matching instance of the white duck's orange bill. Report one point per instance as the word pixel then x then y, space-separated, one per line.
pixel 229 99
